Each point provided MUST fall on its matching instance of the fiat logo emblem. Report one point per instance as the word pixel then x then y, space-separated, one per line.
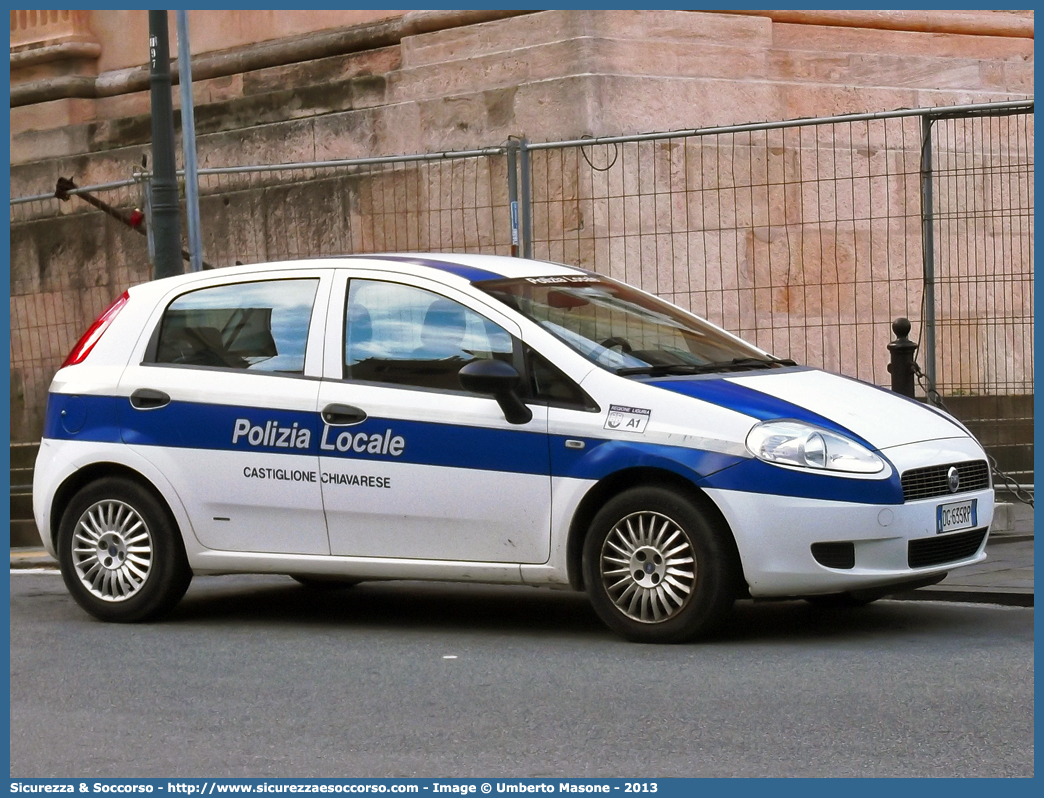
pixel 953 479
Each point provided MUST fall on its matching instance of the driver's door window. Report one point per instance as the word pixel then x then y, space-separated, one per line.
pixel 406 336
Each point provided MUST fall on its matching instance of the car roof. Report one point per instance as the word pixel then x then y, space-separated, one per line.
pixel 450 268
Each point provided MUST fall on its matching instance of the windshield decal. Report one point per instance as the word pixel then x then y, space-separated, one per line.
pixel 564 280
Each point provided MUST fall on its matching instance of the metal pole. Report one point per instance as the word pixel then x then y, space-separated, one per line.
pixel 166 215
pixel 188 143
pixel 928 250
pixel 527 210
pixel 512 176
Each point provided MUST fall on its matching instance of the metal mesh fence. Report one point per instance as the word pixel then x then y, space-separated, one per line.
pixel 453 204
pixel 808 237
pixel 804 240
pixel 982 174
pixel 982 207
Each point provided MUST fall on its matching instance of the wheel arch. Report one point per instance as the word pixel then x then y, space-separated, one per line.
pixel 82 477
pixel 626 479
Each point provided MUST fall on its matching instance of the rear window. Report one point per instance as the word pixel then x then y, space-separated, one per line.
pixel 256 326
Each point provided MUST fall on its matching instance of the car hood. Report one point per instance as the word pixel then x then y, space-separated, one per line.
pixel 881 418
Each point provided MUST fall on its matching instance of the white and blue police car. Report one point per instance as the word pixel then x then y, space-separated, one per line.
pixel 483 419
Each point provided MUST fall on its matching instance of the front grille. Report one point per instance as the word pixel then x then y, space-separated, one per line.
pixel 944 548
pixel 923 483
pixel 835 555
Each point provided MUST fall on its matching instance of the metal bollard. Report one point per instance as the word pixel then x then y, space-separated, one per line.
pixel 903 352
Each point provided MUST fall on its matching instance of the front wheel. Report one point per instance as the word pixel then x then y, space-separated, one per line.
pixel 657 569
pixel 120 554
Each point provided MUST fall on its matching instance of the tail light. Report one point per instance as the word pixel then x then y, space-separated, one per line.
pixel 94 333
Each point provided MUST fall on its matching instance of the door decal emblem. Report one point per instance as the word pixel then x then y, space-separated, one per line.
pixel 627 419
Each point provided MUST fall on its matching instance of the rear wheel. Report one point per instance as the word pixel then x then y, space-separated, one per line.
pixel 657 569
pixel 120 554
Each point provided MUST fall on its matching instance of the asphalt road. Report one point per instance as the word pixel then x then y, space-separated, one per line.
pixel 256 676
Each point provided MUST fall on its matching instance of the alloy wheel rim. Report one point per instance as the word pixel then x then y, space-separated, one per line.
pixel 112 550
pixel 648 567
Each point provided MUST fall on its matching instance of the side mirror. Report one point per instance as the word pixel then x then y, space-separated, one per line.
pixel 499 380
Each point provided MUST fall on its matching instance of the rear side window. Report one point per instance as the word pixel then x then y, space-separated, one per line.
pixel 257 326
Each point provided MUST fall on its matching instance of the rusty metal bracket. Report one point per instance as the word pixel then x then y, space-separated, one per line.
pixel 135 220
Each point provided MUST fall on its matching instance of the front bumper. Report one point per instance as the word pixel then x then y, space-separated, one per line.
pixel 775 534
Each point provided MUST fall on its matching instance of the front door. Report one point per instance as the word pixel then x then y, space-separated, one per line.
pixel 412 466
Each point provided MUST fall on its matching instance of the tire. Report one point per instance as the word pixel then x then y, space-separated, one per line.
pixel 324 582
pixel 142 573
pixel 689 574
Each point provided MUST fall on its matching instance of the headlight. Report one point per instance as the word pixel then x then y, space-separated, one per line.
pixel 795 443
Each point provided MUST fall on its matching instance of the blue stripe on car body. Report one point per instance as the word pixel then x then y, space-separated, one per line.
pixel 749 401
pixel 210 427
pixel 601 457
pixel 96 415
pixel 756 476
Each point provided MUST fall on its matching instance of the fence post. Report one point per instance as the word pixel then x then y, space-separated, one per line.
pixel 512 175
pixel 188 142
pixel 527 210
pixel 928 248
pixel 903 351
pixel 146 191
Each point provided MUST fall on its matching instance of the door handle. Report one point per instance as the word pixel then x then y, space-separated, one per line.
pixel 148 399
pixel 343 415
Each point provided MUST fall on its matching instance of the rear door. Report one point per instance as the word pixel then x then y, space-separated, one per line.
pixel 412 466
pixel 223 402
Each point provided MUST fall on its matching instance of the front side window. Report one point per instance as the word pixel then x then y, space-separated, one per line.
pixel 408 336
pixel 548 384
pixel 258 326
pixel 622 329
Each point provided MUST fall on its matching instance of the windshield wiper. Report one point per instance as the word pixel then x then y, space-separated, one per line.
pixel 662 369
pixel 757 362
pixel 737 363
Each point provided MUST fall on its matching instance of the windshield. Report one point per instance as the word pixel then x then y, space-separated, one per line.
pixel 624 330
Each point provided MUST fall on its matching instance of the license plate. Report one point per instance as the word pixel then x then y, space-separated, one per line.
pixel 956 516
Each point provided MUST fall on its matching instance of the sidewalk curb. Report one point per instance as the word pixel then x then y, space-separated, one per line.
pixel 1010 537
pixel 32 557
pixel 25 565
